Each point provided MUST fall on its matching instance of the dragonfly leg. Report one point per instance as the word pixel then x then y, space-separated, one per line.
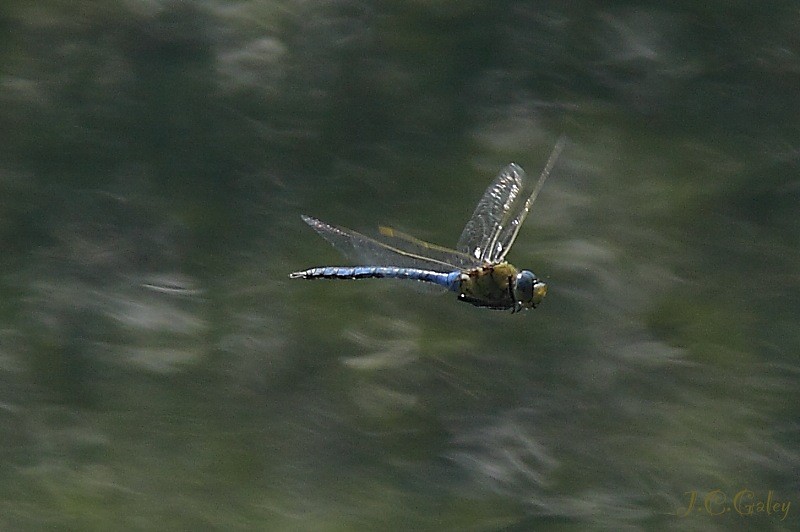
pixel 515 306
pixel 482 303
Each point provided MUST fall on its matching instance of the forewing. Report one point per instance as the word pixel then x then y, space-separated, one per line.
pixel 518 211
pixel 480 235
pixel 370 252
pixel 501 211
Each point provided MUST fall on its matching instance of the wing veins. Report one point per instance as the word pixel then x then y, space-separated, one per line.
pixel 516 223
pixel 498 217
pixel 334 235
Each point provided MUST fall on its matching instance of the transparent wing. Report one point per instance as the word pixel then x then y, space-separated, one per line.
pixel 415 246
pixel 519 211
pixel 479 238
pixel 497 219
pixel 370 252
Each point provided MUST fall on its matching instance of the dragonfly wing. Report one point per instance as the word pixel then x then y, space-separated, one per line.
pixel 481 232
pixel 415 246
pixel 494 225
pixel 516 215
pixel 371 252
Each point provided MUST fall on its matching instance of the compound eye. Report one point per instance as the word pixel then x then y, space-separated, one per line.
pixel 524 286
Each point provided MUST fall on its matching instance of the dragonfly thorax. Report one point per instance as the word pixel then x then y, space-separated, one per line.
pixel 500 286
pixel 528 289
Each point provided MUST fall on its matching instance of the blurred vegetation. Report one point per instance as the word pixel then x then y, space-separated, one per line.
pixel 160 371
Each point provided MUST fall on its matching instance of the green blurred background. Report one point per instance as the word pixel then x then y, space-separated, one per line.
pixel 160 371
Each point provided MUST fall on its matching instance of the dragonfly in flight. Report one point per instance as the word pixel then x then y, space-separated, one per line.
pixel 477 270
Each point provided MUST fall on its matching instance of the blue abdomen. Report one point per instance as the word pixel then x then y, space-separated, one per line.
pixel 448 280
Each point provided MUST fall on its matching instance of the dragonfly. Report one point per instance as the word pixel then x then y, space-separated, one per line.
pixel 476 270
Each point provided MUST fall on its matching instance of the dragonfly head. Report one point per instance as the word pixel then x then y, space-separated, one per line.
pixel 528 289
